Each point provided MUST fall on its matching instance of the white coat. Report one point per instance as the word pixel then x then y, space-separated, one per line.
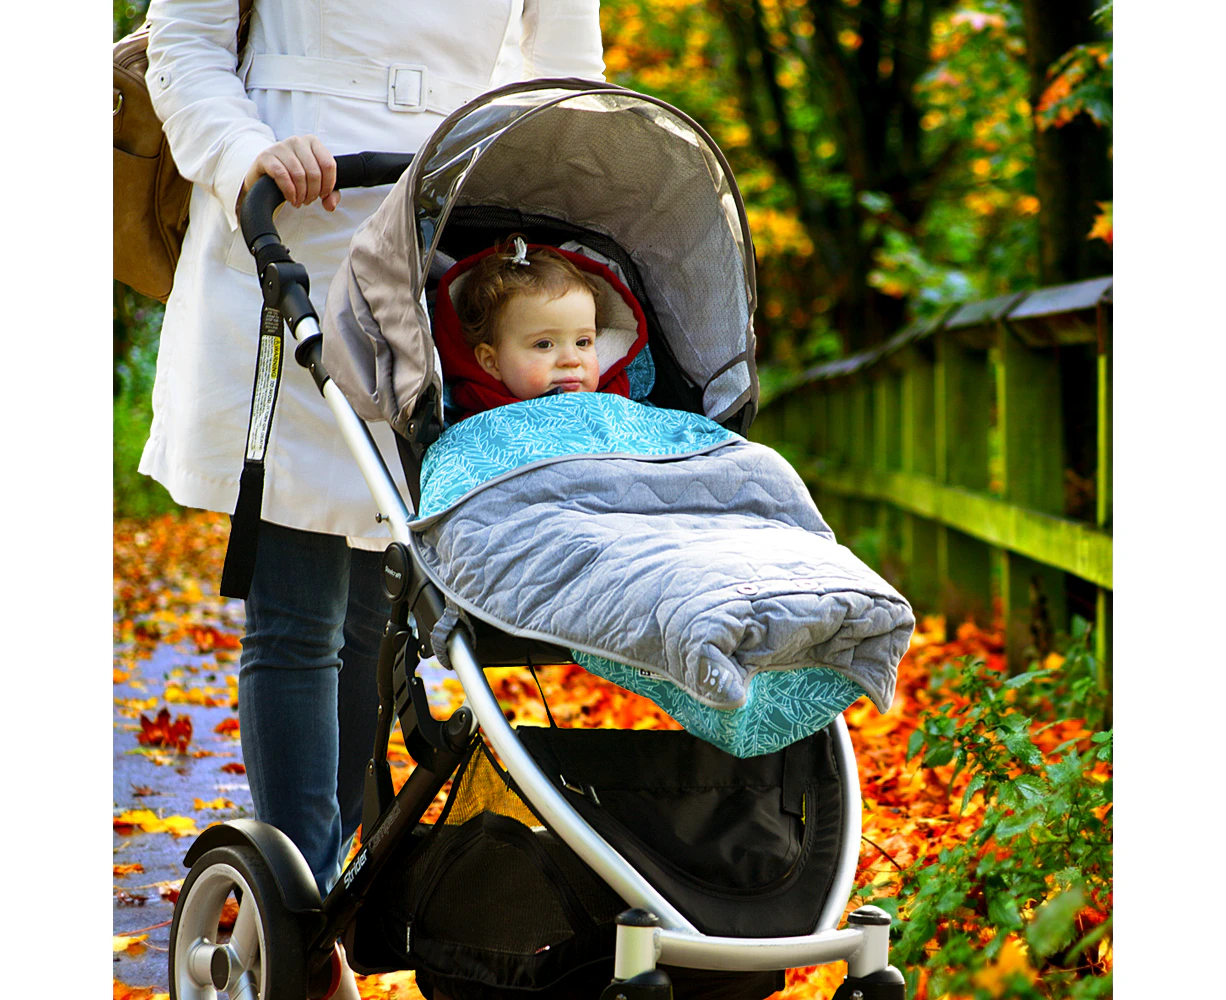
pixel 218 117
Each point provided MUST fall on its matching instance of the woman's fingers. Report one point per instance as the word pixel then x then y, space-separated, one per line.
pixel 327 173
pixel 303 168
pixel 304 154
pixel 285 168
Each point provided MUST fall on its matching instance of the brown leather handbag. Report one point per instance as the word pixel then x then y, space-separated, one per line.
pixel 151 198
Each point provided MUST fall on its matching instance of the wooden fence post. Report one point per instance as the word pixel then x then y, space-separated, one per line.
pixel 887 458
pixel 1030 422
pixel 1103 515
pixel 838 427
pixel 919 458
pixel 962 412
pixel 860 514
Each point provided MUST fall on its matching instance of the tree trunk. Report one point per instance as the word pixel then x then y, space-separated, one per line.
pixel 1072 169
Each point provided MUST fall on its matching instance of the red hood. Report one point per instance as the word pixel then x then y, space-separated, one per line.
pixel 472 388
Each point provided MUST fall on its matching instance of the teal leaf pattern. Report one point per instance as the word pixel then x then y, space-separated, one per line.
pixel 782 706
pixel 495 443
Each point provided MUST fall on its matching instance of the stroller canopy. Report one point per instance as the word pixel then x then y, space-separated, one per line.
pixel 594 158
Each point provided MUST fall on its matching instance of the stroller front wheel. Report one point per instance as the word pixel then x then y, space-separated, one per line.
pixel 260 956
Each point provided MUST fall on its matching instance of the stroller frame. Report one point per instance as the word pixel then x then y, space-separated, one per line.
pixel 284 896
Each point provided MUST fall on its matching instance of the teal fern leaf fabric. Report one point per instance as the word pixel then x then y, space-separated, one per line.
pixel 781 706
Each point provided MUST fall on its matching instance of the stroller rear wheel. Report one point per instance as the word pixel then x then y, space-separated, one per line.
pixel 257 956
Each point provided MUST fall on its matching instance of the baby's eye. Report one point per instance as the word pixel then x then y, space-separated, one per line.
pixel 584 342
pixel 543 345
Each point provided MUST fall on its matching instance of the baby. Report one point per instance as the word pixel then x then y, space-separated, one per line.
pixel 530 318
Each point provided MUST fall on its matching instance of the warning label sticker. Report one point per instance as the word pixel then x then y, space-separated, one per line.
pixel 268 373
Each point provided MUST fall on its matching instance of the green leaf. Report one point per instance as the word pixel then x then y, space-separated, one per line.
pixel 1011 826
pixel 976 783
pixel 1028 677
pixel 915 744
pixel 1020 745
pixel 1002 909
pixel 943 753
pixel 1053 923
pixel 1030 786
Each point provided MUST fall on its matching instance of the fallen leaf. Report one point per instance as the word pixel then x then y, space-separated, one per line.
pixel 120 871
pixel 229 725
pixel 125 992
pixel 234 768
pixel 207 638
pixel 217 803
pixel 161 732
pixel 150 822
pixel 124 898
pixel 169 891
pixel 206 696
pixel 142 790
pixel 126 942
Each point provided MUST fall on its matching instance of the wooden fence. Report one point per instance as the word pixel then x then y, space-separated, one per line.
pixel 969 460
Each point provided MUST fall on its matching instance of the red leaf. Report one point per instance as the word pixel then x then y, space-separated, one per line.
pixel 234 767
pixel 161 732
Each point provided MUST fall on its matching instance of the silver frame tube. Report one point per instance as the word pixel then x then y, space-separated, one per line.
pixel 677 941
pixel 729 954
pixel 365 452
pixel 548 802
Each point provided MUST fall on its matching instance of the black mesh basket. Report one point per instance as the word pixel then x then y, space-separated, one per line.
pixel 488 900
pixel 490 896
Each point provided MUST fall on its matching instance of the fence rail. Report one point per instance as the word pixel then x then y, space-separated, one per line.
pixel 969 459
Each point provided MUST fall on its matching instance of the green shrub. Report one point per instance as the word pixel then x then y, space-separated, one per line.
pixel 1038 869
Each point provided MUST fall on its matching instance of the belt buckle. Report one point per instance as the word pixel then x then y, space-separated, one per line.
pixel 396 104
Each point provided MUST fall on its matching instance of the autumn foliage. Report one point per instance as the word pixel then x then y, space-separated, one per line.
pixel 986 798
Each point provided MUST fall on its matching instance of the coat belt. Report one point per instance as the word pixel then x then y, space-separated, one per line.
pixel 404 87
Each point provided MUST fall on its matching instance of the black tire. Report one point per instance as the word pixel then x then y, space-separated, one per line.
pixel 268 948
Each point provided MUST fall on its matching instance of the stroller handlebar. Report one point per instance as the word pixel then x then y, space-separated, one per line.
pixel 352 170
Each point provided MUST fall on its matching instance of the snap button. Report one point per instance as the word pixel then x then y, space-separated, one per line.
pixel 747 588
pixel 163 79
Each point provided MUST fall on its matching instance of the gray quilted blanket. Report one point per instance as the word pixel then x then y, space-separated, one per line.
pixel 653 539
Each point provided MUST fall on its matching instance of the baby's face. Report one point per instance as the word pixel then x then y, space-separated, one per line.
pixel 544 344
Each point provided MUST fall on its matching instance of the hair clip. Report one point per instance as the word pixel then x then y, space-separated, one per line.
pixel 521 253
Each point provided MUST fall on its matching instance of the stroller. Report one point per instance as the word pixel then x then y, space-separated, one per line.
pixel 615 852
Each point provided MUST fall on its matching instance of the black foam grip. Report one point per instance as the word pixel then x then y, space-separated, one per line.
pixel 255 213
pixel 352 170
pixel 370 169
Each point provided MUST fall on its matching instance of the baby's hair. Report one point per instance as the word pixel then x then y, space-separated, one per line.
pixel 500 276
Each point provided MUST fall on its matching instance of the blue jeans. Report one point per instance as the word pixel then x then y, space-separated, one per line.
pixel 307 698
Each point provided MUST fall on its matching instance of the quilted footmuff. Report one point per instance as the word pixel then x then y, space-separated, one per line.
pixel 670 555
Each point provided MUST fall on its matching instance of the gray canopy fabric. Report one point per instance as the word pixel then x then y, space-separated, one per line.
pixel 613 162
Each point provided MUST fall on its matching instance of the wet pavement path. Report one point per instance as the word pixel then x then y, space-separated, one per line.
pixel 176 647
pixel 187 790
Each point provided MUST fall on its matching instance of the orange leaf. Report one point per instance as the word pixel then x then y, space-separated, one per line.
pixel 207 638
pixel 119 871
pixel 229 725
pixel 1104 227
pixel 161 732
pixel 234 767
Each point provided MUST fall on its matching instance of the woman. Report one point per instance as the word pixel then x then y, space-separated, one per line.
pixel 317 77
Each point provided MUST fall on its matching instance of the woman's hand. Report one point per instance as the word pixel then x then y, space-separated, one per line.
pixel 303 169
